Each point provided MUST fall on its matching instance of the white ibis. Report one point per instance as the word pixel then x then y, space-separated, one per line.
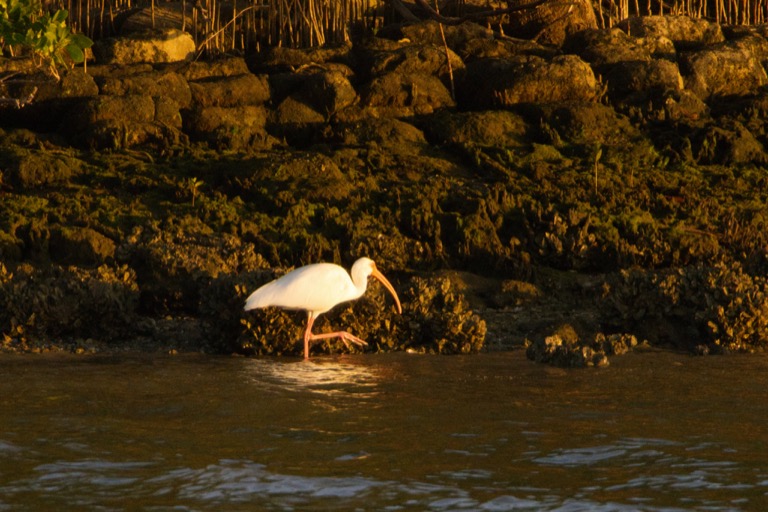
pixel 316 289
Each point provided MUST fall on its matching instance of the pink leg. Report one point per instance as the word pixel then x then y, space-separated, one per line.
pixel 308 335
pixel 342 335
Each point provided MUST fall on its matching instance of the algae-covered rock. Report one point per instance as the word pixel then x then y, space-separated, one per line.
pixel 235 128
pixel 405 95
pixel 27 169
pixel 80 246
pixel 230 91
pixel 491 128
pixel 528 79
pixel 126 121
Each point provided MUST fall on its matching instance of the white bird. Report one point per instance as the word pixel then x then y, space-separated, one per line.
pixel 317 288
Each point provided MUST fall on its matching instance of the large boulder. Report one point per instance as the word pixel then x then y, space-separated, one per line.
pixel 727 69
pixel 152 46
pixel 240 127
pixel 490 128
pixel 145 82
pixel 527 79
pixel 125 121
pixel 684 31
pixel 636 80
pixel 405 95
pixel 230 91
pixel 422 59
pixel 604 48
pixel 306 101
pixel 46 102
pixel 552 22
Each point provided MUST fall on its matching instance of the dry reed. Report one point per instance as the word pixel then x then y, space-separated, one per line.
pixel 728 12
pixel 232 25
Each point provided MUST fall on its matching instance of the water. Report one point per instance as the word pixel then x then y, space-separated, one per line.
pixel 493 432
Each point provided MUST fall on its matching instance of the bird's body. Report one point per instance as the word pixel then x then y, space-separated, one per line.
pixel 317 288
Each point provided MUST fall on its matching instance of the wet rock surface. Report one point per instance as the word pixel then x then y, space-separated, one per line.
pixel 578 200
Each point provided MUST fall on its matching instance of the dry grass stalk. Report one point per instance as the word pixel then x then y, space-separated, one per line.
pixel 227 25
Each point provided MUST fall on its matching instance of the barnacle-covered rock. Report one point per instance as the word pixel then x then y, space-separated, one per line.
pixel 565 348
pixel 437 319
pixel 69 302
pixel 702 308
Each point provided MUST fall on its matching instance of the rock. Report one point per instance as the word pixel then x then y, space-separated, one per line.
pixel 604 48
pixel 636 81
pixel 29 169
pixel 564 348
pixel 280 59
pixel 552 22
pixel 705 309
pixel 324 90
pixel 395 95
pixel 469 41
pixel 526 80
pixel 80 246
pixel 727 143
pixel 126 121
pixel 132 108
pixel 296 122
pixel 416 59
pixel 428 33
pixel 153 83
pixel 239 128
pixel 230 91
pixel 51 100
pixel 493 128
pixel 437 319
pixel 152 46
pixel 163 16
pixel 685 32
pixel 198 70
pixel 727 69
pixel 92 303
pixel 307 100
pixel 382 132
pixel 664 106
pixel 586 124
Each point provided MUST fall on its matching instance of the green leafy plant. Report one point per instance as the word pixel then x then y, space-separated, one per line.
pixel 193 186
pixel 25 27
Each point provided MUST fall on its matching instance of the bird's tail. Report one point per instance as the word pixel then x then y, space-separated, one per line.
pixel 259 298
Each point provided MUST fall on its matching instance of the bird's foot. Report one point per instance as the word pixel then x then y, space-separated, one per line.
pixel 344 336
pixel 351 338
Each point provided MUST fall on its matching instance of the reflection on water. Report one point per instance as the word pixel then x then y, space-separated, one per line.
pixel 326 377
pixel 655 432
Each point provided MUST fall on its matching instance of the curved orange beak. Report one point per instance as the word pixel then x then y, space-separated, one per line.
pixel 378 275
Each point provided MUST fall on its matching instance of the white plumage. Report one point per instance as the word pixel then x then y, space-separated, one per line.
pixel 316 289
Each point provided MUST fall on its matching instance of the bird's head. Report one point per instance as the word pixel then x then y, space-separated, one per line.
pixel 365 268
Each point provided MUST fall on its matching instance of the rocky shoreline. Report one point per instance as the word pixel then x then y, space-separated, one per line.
pixel 579 200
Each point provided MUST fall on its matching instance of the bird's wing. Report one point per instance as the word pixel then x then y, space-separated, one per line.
pixel 315 288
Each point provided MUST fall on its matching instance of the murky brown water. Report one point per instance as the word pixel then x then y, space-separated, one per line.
pixel 654 431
